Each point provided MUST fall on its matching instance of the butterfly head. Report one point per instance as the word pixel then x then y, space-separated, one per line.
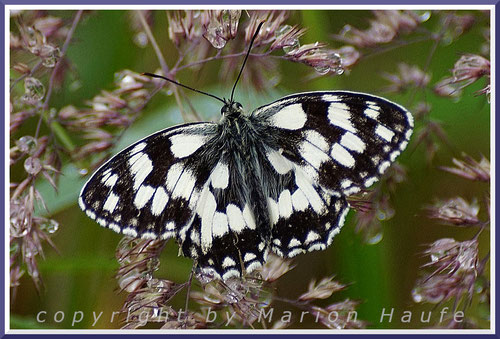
pixel 231 109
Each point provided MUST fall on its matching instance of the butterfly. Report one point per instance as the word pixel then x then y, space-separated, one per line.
pixel 275 180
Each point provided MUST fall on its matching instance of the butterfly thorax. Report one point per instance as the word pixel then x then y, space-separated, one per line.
pixel 236 127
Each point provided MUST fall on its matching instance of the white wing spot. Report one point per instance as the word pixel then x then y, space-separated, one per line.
pixel 294 243
pixel 339 115
pixel 285 204
pixel 184 185
pixel 220 176
pixel 290 117
pixel 160 200
pixel 281 164
pixel 409 117
pixel 408 134
pixel 228 262
pixel 207 209
pixel 230 274
pixel 299 200
pixel 138 148
pixel 277 251
pixel 143 195
pixel 253 266
pixel 311 236
pixel 140 167
pixel 384 133
pixel 342 156
pixel 115 227
pixel 249 257
pixel 332 234
pixel 307 188
pixel 352 190
pixel 81 203
pixel 106 174
pixel 353 142
pixel 111 202
pixel 130 231
pixel 383 167
pixel 148 235
pixel 273 211
pixel 330 98
pixel 394 155
pixel 193 199
pixel 345 183
pixel 403 145
pixel 372 111
pixel 184 144
pixel 170 226
pixel 235 217
pixel 167 235
pixel 220 225
pixel 295 251
pixel 317 247
pixel 370 181
pixel 310 172
pixel 317 139
pixel 261 246
pixel 173 174
pixel 249 218
pixel 110 180
pixel 312 154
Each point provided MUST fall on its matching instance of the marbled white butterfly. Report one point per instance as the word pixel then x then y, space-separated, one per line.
pixel 273 180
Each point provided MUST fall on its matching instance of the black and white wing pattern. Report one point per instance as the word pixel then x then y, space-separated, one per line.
pixel 331 145
pixel 151 188
pixel 274 180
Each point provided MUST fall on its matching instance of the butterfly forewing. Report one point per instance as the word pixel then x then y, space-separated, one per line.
pixel 276 179
pixel 149 189
pixel 344 141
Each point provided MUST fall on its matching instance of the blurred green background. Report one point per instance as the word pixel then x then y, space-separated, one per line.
pixel 80 278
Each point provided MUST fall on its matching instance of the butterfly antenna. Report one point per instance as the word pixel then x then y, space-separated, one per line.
pixel 246 57
pixel 152 75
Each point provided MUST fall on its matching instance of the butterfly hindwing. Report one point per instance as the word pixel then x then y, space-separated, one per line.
pixel 304 217
pixel 230 230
